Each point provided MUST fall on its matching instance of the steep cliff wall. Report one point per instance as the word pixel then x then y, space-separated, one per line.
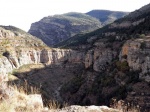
pixel 137 53
pixel 33 56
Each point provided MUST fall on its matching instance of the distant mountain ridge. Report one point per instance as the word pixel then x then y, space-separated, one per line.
pixel 107 16
pixel 57 28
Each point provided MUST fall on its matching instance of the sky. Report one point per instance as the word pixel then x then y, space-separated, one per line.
pixel 22 13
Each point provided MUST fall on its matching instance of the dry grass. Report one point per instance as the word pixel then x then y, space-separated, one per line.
pixel 53 104
pixel 27 68
pixel 6 106
pixel 18 97
pixel 14 99
pixel 124 107
pixel 26 88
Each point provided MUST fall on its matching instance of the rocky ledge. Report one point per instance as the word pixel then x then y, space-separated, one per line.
pixel 76 108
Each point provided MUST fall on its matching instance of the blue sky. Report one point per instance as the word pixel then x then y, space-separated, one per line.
pixel 21 13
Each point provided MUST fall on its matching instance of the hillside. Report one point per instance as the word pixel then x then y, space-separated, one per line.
pixel 14 39
pixel 133 25
pixel 30 77
pixel 54 29
pixel 106 16
pixel 116 62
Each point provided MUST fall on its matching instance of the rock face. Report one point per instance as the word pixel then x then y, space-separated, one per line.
pixel 137 53
pixel 116 62
pixel 54 29
pixel 12 40
pixel 99 57
pixel 32 56
pixel 6 34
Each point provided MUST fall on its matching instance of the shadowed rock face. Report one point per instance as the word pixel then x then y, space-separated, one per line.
pixel 54 29
pixel 32 56
pixel 120 52
pixel 137 53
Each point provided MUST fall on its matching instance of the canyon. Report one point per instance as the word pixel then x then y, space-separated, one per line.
pixel 109 64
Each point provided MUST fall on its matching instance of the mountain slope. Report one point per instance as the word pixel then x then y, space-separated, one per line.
pixel 53 29
pixel 12 38
pixel 106 16
pixel 116 63
pixel 57 28
pixel 135 23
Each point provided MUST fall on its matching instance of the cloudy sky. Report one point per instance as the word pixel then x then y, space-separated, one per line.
pixel 21 13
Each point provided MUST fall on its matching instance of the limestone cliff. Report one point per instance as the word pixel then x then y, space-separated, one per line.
pixel 116 62
pixel 137 52
pixel 99 57
pixel 14 57
pixel 33 56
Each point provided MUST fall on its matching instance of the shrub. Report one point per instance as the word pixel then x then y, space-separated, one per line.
pixel 143 45
pixel 122 66
pixel 108 81
pixel 73 85
pixel 142 35
pixel 124 56
pixel 6 54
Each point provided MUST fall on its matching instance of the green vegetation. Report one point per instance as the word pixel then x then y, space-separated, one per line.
pixel 106 16
pixel 125 33
pixel 143 45
pixel 122 66
pixel 73 85
pixel 6 54
pixel 58 28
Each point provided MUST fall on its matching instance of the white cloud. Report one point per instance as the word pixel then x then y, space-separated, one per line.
pixel 21 13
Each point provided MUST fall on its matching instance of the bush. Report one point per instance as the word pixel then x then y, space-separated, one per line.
pixel 108 81
pixel 73 85
pixel 124 56
pixel 143 45
pixel 133 76
pixel 122 66
pixel 6 54
pixel 142 35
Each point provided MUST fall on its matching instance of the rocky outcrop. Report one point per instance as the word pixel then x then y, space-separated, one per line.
pixel 102 58
pixel 137 53
pixel 6 34
pixel 99 57
pixel 32 56
pixel 76 108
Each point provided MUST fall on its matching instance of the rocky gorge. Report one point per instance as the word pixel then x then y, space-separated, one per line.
pixel 81 67
pixel 50 58
pixel 97 68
